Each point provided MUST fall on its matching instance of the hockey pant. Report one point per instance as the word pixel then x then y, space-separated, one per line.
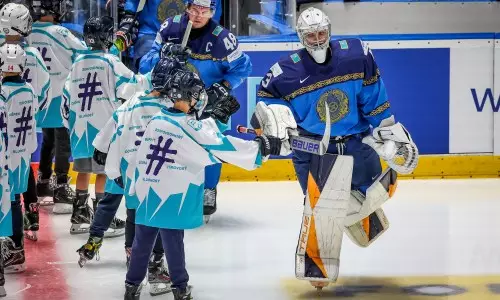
pixel 17 221
pixel 104 214
pixel 173 244
pixel 55 143
pixel 30 195
pixel 212 176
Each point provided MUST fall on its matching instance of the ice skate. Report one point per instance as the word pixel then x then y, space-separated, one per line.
pixel 209 204
pixel 182 294
pixel 3 293
pixel 158 278
pixel 132 292
pixel 31 222
pixel 89 250
pixel 82 215
pixel 319 285
pixel 117 227
pixel 64 197
pixel 45 191
pixel 128 253
pixel 13 257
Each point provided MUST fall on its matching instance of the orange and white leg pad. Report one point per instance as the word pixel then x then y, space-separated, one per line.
pixel 366 221
pixel 326 206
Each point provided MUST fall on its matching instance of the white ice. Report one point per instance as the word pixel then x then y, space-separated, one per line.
pixel 438 227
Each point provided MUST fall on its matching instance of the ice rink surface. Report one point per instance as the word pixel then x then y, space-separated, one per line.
pixel 444 232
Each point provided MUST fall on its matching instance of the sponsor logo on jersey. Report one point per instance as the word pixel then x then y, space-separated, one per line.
pixel 177 19
pixel 196 125
pixel 217 30
pixel 338 103
pixel 295 58
pixel 168 9
pixel 343 45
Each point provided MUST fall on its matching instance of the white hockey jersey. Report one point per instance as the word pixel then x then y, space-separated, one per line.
pixel 122 135
pixel 170 167
pixel 37 74
pixel 5 195
pixel 20 126
pixel 95 88
pixel 58 48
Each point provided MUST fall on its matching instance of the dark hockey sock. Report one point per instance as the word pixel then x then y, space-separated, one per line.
pixel 79 192
pixel 99 196
pixel 17 221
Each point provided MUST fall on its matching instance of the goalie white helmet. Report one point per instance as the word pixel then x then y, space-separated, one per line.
pixel 15 19
pixel 12 58
pixel 314 31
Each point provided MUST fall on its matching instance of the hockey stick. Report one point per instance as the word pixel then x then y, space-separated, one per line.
pixel 301 143
pixel 185 38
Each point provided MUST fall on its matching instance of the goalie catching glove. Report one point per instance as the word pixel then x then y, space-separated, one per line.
pixel 393 143
pixel 275 120
pixel 127 32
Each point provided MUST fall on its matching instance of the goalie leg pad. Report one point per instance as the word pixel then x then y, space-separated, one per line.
pixel 366 231
pixel 378 193
pixel 327 201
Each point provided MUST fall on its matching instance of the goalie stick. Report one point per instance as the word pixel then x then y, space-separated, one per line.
pixel 301 143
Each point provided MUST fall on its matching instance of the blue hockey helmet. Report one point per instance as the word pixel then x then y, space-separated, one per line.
pixel 212 4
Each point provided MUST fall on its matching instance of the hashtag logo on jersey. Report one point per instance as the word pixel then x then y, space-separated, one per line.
pixel 26 76
pixel 139 135
pixel 24 125
pixel 159 155
pixel 46 59
pixel 89 91
pixel 3 128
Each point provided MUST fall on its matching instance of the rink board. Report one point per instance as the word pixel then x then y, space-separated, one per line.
pixel 397 288
pixel 440 86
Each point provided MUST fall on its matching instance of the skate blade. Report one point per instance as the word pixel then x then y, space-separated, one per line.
pixel 206 219
pixel 82 262
pixel 114 232
pixel 79 228
pixel 3 293
pixel 15 269
pixel 31 235
pixel 62 208
pixel 46 201
pixel 319 285
pixel 157 289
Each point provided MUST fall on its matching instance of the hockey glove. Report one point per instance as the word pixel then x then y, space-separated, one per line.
pixel 127 32
pixel 269 145
pixel 217 92
pixel 119 181
pixel 175 50
pixel 225 108
pixel 100 157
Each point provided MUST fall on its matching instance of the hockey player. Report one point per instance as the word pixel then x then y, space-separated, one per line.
pixel 97 85
pixel 141 31
pixel 19 124
pixel 121 137
pixel 342 74
pixel 170 168
pixel 16 23
pixel 59 47
pixel 213 52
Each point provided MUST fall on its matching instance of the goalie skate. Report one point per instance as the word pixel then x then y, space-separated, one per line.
pixel 326 205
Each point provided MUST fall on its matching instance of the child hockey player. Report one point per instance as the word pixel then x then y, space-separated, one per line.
pixel 21 107
pixel 16 22
pixel 214 53
pixel 121 137
pixel 96 86
pixel 59 47
pixel 5 199
pixel 170 168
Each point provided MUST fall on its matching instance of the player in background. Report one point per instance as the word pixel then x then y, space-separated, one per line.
pixel 140 31
pixel 59 48
pixel 16 23
pixel 344 75
pixel 121 138
pixel 212 52
pixel 19 127
pixel 170 166
pixel 97 85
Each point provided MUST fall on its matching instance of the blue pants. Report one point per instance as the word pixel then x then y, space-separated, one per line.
pixel 366 163
pixel 104 214
pixel 173 244
pixel 212 176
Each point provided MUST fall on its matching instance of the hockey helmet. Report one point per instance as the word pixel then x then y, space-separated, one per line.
pixel 12 58
pixel 15 19
pixel 204 3
pixel 314 31
pixel 98 32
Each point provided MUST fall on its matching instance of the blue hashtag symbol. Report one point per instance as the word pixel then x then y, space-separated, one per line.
pixel 161 159
pixel 26 76
pixel 46 59
pixel 89 91
pixel 24 125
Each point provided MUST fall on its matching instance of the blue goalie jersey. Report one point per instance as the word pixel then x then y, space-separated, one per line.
pixel 349 82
